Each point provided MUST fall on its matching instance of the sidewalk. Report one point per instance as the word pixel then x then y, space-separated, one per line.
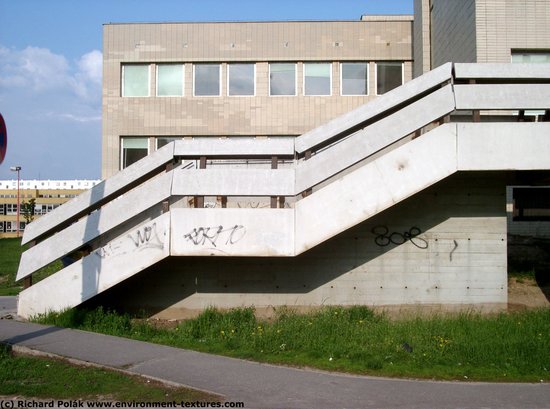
pixel 268 386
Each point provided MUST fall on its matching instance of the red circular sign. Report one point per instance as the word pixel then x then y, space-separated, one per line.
pixel 3 139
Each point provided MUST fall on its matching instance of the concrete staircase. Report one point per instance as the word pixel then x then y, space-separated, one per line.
pixel 319 185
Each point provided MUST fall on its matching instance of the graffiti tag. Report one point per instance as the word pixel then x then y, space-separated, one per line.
pixel 384 237
pixel 212 235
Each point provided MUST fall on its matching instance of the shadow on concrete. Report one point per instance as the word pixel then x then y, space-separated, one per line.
pixel 30 335
pixel 175 279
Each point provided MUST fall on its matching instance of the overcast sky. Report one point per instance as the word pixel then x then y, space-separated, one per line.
pixel 51 64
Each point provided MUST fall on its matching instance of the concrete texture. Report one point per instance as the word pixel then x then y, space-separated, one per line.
pixel 386 102
pixel 105 267
pixel 108 189
pixel 267 386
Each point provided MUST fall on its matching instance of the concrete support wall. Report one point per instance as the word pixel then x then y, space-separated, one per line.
pixel 457 259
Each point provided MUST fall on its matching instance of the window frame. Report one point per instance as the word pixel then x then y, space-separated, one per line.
pixel 254 79
pixel 219 65
pixel 376 63
pixel 174 138
pixel 121 163
pixel 295 79
pixel 182 80
pixel 329 79
pixel 122 88
pixel 342 78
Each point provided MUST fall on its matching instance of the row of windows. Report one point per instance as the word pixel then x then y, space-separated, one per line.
pixel 9 227
pixel 10 209
pixel 241 79
pixel 133 149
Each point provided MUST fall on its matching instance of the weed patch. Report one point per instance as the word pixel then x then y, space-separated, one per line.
pixel 503 347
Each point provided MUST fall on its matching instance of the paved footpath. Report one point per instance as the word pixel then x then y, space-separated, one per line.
pixel 269 386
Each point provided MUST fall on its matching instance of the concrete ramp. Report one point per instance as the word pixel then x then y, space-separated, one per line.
pixel 185 199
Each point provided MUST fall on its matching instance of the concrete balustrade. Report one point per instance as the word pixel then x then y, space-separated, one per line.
pixel 115 219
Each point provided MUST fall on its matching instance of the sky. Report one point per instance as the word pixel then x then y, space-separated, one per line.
pixel 51 67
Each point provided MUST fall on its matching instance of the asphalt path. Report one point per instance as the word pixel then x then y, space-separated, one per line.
pixel 269 386
pixel 8 306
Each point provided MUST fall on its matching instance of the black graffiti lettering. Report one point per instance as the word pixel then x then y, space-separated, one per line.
pixel 146 237
pixel 210 235
pixel 384 237
pixel 237 233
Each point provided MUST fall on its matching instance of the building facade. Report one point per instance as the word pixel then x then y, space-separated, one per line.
pixel 257 80
pixel 46 194
pixel 480 31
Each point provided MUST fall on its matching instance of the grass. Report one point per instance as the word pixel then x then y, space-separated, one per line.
pixel 54 379
pixel 503 347
pixel 10 254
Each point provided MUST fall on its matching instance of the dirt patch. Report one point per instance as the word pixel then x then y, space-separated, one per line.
pixel 525 293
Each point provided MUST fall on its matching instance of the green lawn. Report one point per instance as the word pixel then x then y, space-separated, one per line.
pixel 10 254
pixel 48 378
pixel 502 347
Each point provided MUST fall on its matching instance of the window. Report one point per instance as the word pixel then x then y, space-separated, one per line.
pixel 161 141
pixel 282 79
pixel 531 204
pixel 240 79
pixel 11 209
pixel 389 75
pixel 135 80
pixel 532 56
pixel 354 78
pixel 317 79
pixel 133 149
pixel 207 79
pixel 169 80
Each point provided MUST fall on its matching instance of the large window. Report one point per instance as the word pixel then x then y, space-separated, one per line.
pixel 532 56
pixel 282 79
pixel 132 150
pixel 240 79
pixel 531 204
pixel 389 75
pixel 135 80
pixel 169 80
pixel 317 79
pixel 165 140
pixel 207 79
pixel 354 78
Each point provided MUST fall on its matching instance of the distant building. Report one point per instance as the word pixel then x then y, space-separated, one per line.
pixel 48 195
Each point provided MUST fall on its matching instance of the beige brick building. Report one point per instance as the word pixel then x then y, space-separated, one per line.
pixel 267 79
pixel 47 194
pixel 482 31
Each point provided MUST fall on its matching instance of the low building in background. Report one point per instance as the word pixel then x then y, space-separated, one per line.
pixel 37 198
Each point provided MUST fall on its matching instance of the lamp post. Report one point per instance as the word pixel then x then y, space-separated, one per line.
pixel 18 170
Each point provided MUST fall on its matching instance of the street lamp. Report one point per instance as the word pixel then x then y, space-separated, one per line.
pixel 18 170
